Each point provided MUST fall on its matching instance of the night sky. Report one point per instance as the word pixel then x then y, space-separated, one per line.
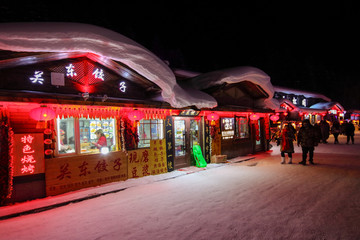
pixel 314 47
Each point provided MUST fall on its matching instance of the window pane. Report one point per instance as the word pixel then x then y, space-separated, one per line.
pixel 150 130
pixel 160 129
pixel 66 135
pixel 95 134
pixel 180 147
pixel 243 127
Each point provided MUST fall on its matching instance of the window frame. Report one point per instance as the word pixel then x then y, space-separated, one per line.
pixel 238 128
pixel 77 141
pixel 141 123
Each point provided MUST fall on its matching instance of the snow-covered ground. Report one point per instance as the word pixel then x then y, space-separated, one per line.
pixel 255 199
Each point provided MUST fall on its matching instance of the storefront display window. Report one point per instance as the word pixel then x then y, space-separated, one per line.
pixel 150 130
pixel 92 133
pixel 242 127
pixel 66 135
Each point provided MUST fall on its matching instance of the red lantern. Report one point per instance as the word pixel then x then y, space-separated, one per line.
pixel 136 115
pixel 274 118
pixel 42 113
pixel 254 117
pixel 212 117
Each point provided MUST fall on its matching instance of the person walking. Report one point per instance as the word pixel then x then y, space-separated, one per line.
pixel 308 138
pixel 287 137
pixel 325 129
pixel 335 130
pixel 349 132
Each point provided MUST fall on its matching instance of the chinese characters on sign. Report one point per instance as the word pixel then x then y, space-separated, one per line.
pixel 70 70
pixel 139 163
pixel 72 173
pixel 28 154
pixel 227 128
pixel 144 162
pixel 99 74
pixel 122 87
pixel 169 143
pixel 37 77
pixel 158 153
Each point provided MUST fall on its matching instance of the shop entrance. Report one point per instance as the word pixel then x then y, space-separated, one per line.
pixel 186 134
pixel 259 135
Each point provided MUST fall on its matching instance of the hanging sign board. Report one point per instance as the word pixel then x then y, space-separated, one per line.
pixel 169 143
pixel 189 113
pixel 28 154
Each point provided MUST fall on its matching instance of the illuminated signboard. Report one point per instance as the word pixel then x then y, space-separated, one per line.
pixel 28 154
pixel 227 128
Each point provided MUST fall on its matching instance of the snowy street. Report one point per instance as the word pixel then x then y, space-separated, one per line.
pixel 255 199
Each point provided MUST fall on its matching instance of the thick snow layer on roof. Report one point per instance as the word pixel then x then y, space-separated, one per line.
pixel 236 75
pixel 327 105
pixel 301 92
pixel 77 37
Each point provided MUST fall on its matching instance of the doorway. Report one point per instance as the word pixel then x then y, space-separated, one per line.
pixel 186 135
pixel 259 137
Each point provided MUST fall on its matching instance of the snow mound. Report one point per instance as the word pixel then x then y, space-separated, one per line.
pixel 78 37
pixel 236 75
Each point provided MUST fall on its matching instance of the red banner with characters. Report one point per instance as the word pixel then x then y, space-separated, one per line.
pixel 28 154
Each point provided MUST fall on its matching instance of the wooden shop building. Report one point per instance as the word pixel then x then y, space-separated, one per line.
pixel 56 106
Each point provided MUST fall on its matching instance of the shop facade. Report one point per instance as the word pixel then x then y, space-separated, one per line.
pixel 73 120
pixel 297 105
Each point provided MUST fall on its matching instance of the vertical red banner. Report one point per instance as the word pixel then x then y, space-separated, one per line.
pixel 28 154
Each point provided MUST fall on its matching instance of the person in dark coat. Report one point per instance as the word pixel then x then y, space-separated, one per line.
pixel 325 129
pixel 335 130
pixel 308 138
pixel 349 132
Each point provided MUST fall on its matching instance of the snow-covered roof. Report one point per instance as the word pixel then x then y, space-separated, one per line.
pixel 78 37
pixel 327 106
pixel 237 75
pixel 306 94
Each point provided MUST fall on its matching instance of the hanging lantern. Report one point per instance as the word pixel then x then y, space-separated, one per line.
pixel 135 116
pixel 212 117
pixel 274 118
pixel 254 117
pixel 42 114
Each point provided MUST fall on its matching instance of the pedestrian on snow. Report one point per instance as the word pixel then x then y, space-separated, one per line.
pixel 335 130
pixel 325 129
pixel 287 137
pixel 308 138
pixel 317 129
pixel 349 132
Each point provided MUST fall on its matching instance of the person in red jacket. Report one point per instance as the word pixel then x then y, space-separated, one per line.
pixel 101 142
pixel 287 136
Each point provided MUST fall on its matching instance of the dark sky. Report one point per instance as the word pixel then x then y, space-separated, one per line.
pixel 314 47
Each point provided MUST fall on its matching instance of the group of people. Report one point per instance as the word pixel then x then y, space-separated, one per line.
pixel 309 137
pixel 336 129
